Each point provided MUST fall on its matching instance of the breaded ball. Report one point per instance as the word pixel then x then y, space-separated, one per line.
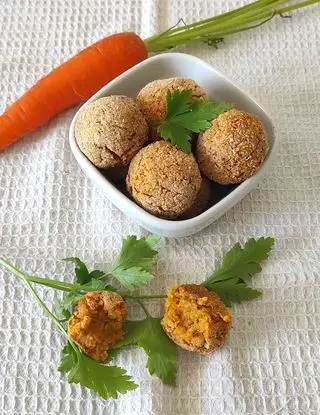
pixel 152 99
pixel 202 201
pixel 97 322
pixel 233 148
pixel 111 130
pixel 163 179
pixel 195 318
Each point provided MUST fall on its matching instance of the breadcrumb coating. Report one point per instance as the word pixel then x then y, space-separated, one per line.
pixel 233 148
pixel 201 202
pixel 163 179
pixel 111 130
pixel 195 318
pixel 97 322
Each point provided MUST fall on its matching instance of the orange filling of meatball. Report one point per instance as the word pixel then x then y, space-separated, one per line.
pixel 196 318
pixel 97 322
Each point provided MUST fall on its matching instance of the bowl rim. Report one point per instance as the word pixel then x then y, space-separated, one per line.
pixel 168 225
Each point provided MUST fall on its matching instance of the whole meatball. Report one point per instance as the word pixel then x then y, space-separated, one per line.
pixel 97 322
pixel 152 99
pixel 232 148
pixel 195 318
pixel 163 179
pixel 111 130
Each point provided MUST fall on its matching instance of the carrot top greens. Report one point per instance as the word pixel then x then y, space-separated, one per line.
pixel 214 29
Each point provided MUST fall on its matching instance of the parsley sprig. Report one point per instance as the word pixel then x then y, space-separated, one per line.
pixel 107 381
pixel 137 257
pixel 132 269
pixel 238 265
pixel 186 115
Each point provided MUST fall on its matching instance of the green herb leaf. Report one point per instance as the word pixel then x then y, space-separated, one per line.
pixel 161 351
pixel 136 258
pixel 97 274
pixel 153 241
pixel 82 274
pixel 107 381
pixel 239 263
pixel 67 360
pixel 177 135
pixel 132 277
pixel 185 115
pixel 234 293
pixel 63 308
pixel 202 112
pixel 242 262
pixel 112 353
pixel 81 270
pixel 178 102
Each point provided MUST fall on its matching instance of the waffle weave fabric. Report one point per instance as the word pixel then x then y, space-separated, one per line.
pixel 49 210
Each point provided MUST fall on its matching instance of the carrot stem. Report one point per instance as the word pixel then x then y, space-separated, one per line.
pixel 211 30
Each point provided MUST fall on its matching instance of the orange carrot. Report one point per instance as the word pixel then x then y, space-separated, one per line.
pixel 70 83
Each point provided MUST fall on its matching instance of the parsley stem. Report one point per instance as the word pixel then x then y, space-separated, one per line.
pixel 58 285
pixel 56 321
pixel 46 309
pixel 27 279
pixel 67 286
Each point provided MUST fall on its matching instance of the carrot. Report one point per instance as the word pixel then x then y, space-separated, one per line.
pixel 74 81
pixel 85 73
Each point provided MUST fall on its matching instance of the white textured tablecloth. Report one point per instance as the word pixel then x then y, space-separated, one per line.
pixel 49 210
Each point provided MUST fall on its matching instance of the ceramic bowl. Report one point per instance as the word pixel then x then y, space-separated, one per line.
pixel 219 88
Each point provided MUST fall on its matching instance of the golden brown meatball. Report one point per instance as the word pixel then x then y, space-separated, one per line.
pixel 195 318
pixel 233 148
pixel 97 322
pixel 163 179
pixel 111 130
pixel 152 99
pixel 202 201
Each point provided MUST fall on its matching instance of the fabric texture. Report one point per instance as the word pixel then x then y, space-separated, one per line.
pixel 49 210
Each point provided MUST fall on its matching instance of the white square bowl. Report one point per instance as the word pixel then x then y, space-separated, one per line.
pixel 219 88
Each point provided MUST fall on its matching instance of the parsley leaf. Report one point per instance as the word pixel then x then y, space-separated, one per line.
pixel 96 274
pixel 107 381
pixel 177 135
pixel 161 351
pixel 83 276
pixel 179 101
pixel 60 310
pixel 136 259
pixel 231 292
pixel 153 241
pixel 63 308
pixel 201 113
pixel 242 262
pixel 238 264
pixel 185 115
pixel 81 270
